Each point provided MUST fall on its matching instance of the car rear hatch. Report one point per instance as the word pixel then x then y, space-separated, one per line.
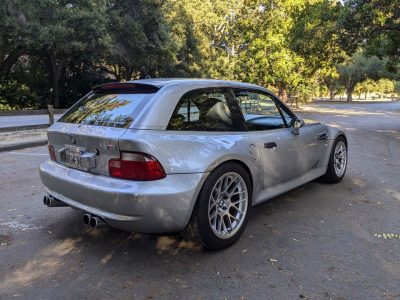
pixel 86 136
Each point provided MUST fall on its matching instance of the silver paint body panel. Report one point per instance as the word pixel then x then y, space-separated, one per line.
pixel 187 157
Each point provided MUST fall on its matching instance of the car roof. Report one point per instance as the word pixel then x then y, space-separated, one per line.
pixel 161 82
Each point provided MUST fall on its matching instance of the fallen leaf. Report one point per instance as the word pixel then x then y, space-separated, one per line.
pixel 271 259
pixel 290 212
pixel 375 234
pixel 384 236
pixel 50 232
pixel 244 251
pixel 379 235
pixel 380 203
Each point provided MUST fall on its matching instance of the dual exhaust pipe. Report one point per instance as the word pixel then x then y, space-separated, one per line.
pixel 94 222
pixel 89 220
pixel 53 202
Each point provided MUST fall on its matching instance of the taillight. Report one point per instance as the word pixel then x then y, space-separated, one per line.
pixel 52 153
pixel 135 166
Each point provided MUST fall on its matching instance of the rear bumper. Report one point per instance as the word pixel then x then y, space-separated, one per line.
pixel 139 206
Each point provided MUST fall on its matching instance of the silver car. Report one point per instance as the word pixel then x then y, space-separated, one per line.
pixel 183 155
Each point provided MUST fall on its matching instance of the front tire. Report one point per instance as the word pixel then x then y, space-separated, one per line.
pixel 222 209
pixel 337 162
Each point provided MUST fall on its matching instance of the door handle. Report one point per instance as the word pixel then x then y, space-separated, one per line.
pixel 270 145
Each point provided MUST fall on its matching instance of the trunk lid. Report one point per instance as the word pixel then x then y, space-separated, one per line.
pixel 86 136
pixel 99 142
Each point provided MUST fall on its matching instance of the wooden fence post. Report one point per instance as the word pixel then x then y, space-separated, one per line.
pixel 51 114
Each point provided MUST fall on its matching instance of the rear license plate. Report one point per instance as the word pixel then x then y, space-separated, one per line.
pixel 73 157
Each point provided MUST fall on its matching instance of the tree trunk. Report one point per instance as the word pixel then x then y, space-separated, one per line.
pixel 57 66
pixel 349 95
pixel 129 72
pixel 283 94
pixel 6 65
pixel 332 94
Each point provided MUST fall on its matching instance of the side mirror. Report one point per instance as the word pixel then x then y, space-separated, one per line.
pixel 296 125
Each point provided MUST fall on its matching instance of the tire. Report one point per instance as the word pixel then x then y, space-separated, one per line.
pixel 205 226
pixel 332 175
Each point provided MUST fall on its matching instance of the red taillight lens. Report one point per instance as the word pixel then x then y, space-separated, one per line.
pixel 136 166
pixel 52 153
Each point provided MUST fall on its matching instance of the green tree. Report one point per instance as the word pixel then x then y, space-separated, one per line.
pixel 367 86
pixel 314 35
pixel 64 34
pixel 372 24
pixel 385 86
pixel 17 18
pixel 397 87
pixel 140 38
pixel 266 58
pixel 357 69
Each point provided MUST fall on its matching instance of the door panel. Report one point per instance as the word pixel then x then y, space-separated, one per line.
pixel 285 155
pixel 289 159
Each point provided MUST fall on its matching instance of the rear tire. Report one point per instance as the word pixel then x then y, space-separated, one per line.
pixel 222 209
pixel 337 165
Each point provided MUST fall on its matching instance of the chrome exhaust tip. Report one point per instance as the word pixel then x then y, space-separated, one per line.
pixel 50 201
pixel 96 222
pixel 86 219
pixel 46 200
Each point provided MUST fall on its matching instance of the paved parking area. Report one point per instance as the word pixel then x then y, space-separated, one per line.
pixel 317 241
pixel 10 121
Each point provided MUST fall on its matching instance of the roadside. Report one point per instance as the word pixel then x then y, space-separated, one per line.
pixel 23 139
pixel 319 241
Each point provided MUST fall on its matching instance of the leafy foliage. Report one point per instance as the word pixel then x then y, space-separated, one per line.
pixel 16 96
pixel 59 49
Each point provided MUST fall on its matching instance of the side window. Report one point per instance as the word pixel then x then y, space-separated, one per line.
pixel 204 110
pixel 259 110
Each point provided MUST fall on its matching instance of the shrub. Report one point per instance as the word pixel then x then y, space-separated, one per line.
pixel 14 95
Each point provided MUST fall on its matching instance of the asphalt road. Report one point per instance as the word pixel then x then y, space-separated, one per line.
pixel 10 121
pixel 321 235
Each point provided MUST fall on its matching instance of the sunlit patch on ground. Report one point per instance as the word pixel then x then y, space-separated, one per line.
pixel 175 244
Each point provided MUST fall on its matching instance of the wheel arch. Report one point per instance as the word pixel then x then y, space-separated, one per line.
pixel 245 167
pixel 252 167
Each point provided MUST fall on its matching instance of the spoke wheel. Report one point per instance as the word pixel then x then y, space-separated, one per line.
pixel 222 208
pixel 337 164
pixel 227 205
pixel 340 158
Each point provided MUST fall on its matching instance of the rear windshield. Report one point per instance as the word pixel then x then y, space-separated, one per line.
pixel 108 108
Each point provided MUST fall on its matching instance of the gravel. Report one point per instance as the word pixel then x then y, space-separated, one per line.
pixel 22 137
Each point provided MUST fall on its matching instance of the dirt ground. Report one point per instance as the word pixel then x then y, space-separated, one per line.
pixel 318 241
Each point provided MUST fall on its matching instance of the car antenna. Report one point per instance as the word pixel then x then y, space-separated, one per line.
pixel 145 73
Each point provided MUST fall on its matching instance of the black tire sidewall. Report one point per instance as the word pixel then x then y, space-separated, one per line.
pixel 209 238
pixel 333 175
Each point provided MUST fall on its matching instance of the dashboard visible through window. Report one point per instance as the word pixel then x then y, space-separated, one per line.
pixel 260 111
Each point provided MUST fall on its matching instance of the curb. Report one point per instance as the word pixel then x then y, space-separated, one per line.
pixel 23 128
pixel 22 145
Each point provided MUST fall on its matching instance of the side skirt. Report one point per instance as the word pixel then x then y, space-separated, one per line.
pixel 281 188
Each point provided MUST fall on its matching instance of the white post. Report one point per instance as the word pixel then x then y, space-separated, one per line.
pixel 51 114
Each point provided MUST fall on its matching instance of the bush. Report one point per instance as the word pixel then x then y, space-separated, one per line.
pixel 14 95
